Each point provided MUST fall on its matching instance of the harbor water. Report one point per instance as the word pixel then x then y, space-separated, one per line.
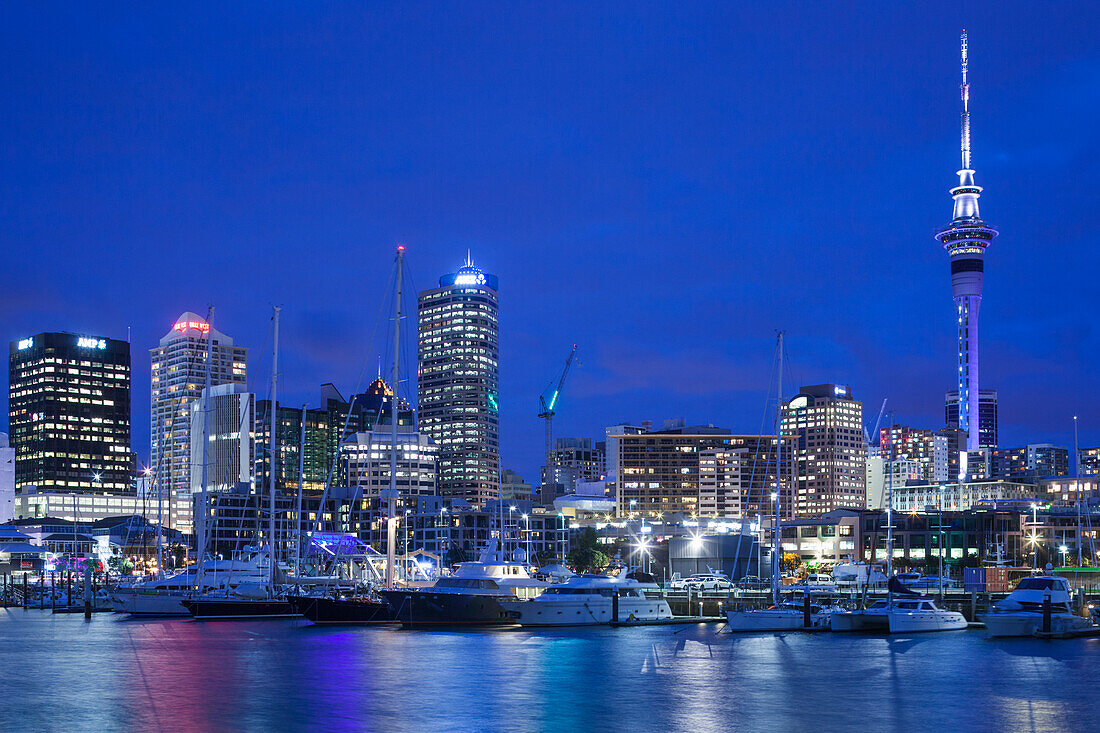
pixel 109 673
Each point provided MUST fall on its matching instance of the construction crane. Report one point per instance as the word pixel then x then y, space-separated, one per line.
pixel 548 401
pixel 874 431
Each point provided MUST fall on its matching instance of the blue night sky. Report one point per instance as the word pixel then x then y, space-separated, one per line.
pixel 665 186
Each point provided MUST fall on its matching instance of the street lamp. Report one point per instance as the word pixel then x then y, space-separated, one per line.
pixel 527 527
pixel 510 510
pixel 1034 532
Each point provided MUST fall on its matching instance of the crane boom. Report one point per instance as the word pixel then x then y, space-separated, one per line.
pixel 874 432
pixel 548 402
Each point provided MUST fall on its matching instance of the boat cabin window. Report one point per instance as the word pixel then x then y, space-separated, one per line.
pixel 1041 584
pixel 908 605
pixel 926 606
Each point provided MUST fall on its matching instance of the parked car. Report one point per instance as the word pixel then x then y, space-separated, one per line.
pixel 752 582
pixel 707 582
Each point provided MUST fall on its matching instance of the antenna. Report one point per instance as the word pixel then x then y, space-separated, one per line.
pixel 965 89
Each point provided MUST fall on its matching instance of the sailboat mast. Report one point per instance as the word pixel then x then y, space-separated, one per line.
pixel 391 523
pixel 273 446
pixel 890 519
pixel 202 530
pixel 301 483
pixel 778 472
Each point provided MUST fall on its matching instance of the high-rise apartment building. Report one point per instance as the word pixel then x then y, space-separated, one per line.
pixel 698 470
pixel 459 382
pixel 930 448
pixel 179 374
pixel 1030 463
pixel 571 460
pixel 1089 462
pixel 831 471
pixel 69 413
pixel 986 422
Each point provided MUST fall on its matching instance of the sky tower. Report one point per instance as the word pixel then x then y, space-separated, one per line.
pixel 965 240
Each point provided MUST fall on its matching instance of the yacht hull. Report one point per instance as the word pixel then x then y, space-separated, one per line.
pixel 150 604
pixel 768 619
pixel 430 608
pixel 228 609
pixel 537 613
pixel 343 611
pixel 859 621
pixel 904 622
pixel 1027 624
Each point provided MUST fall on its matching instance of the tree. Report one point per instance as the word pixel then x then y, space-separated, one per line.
pixel 585 557
pixel 789 562
pixel 119 564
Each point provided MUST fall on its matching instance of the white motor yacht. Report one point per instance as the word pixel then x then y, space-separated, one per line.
pixel 1021 612
pixel 912 615
pixel 587 600
pixel 787 616
pixel 165 596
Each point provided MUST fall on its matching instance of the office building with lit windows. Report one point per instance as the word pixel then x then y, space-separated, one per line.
pixel 459 382
pixel 69 413
pixel 831 471
pixel 365 459
pixel 178 377
pixel 326 428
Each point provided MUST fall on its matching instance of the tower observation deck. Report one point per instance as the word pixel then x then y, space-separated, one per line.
pixel 965 239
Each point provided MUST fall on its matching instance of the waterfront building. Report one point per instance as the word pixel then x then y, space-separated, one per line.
pixel 178 376
pixel 1066 490
pixel 1089 462
pixel 698 470
pixel 92 507
pixel 965 239
pixel 7 479
pixel 221 438
pixel 69 413
pixel 571 460
pixel 981 534
pixel 365 459
pixel 458 384
pixel 960 496
pixel 734 555
pixel 828 539
pixel 930 448
pixel 986 403
pixel 1031 462
pixel 826 424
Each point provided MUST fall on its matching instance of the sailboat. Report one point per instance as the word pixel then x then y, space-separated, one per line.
pixel 782 616
pixel 253 601
pixel 368 609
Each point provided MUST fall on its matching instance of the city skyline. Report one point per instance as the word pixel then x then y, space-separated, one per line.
pixel 674 312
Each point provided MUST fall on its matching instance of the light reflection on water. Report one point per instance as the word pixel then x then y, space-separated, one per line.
pixel 114 674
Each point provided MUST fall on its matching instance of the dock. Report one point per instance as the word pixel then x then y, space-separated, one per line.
pixel 674 621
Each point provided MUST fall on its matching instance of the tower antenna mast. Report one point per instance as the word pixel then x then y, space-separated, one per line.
pixel 965 90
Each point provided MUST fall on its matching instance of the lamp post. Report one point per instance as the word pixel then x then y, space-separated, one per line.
pixel 1035 533
pixel 439 538
pixel 560 550
pixel 510 510
pixel 527 529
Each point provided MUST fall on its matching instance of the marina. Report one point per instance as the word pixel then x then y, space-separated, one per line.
pixel 112 674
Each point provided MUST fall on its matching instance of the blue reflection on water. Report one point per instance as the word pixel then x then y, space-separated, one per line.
pixel 114 674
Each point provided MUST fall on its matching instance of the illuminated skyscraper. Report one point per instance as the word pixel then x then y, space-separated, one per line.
pixel 965 240
pixel 178 379
pixel 458 382
pixel 69 413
